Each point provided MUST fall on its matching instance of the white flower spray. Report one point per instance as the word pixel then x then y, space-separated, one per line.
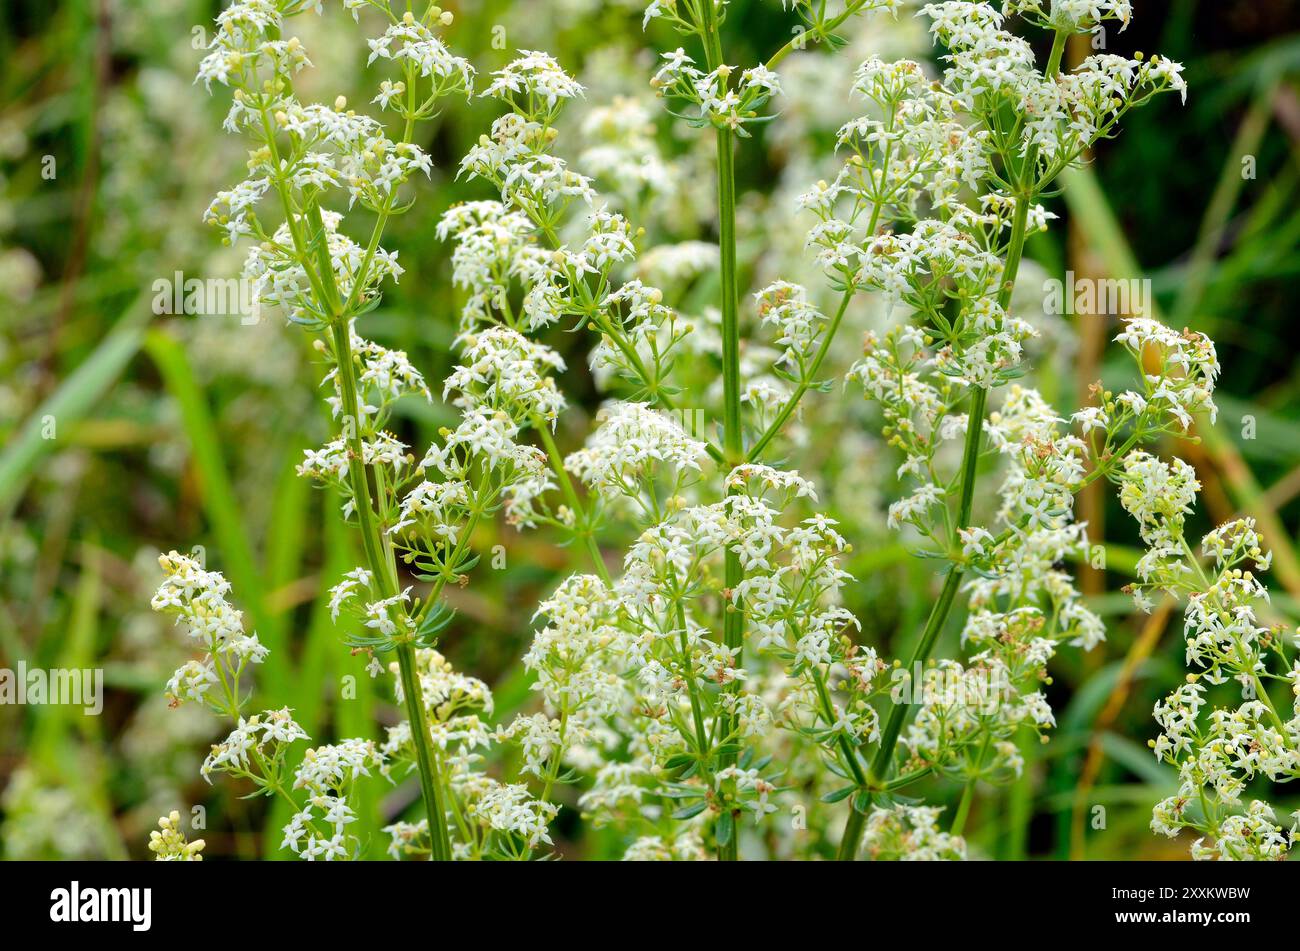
pixel 690 693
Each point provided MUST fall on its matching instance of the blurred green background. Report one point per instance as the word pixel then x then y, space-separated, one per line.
pixel 124 433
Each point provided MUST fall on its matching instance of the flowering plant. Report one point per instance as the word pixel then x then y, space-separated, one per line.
pixel 710 677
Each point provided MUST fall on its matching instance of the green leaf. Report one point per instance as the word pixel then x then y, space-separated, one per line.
pixel 725 828
pixel 839 795
pixel 690 812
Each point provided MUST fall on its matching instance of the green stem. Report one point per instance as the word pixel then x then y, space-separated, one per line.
pixel 553 770
pixel 360 484
pixel 571 497
pixel 880 765
pixel 818 33
pixel 430 782
pixel 828 713
pixel 1015 248
pixel 883 760
pixel 1058 50
pixel 697 708
pixel 974 431
pixel 852 835
pixel 382 567
pixel 963 808
pixel 733 620
pixel 807 380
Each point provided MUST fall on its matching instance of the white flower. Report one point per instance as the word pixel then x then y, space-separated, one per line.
pixel 631 441
pixel 533 75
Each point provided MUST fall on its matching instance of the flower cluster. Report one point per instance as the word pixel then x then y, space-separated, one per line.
pixel 910 833
pixel 197 599
pixel 327 774
pixel 258 749
pixel 719 100
pixel 691 689
pixel 1218 753
pixel 631 444
pixel 169 844
pixel 1063 113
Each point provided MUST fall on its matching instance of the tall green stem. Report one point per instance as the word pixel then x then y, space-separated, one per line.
pixel 1058 51
pixel 381 565
pixel 883 760
pixel 430 781
pixel 697 708
pixel 733 620
pixel 852 834
pixel 379 557
pixel 828 711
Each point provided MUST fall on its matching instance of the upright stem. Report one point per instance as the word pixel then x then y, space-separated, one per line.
pixel 430 781
pixel 828 711
pixel 733 620
pixel 963 808
pixel 379 557
pixel 697 708
pixel 1015 248
pixel 883 760
pixel 381 566
pixel 1058 51
pixel 852 834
